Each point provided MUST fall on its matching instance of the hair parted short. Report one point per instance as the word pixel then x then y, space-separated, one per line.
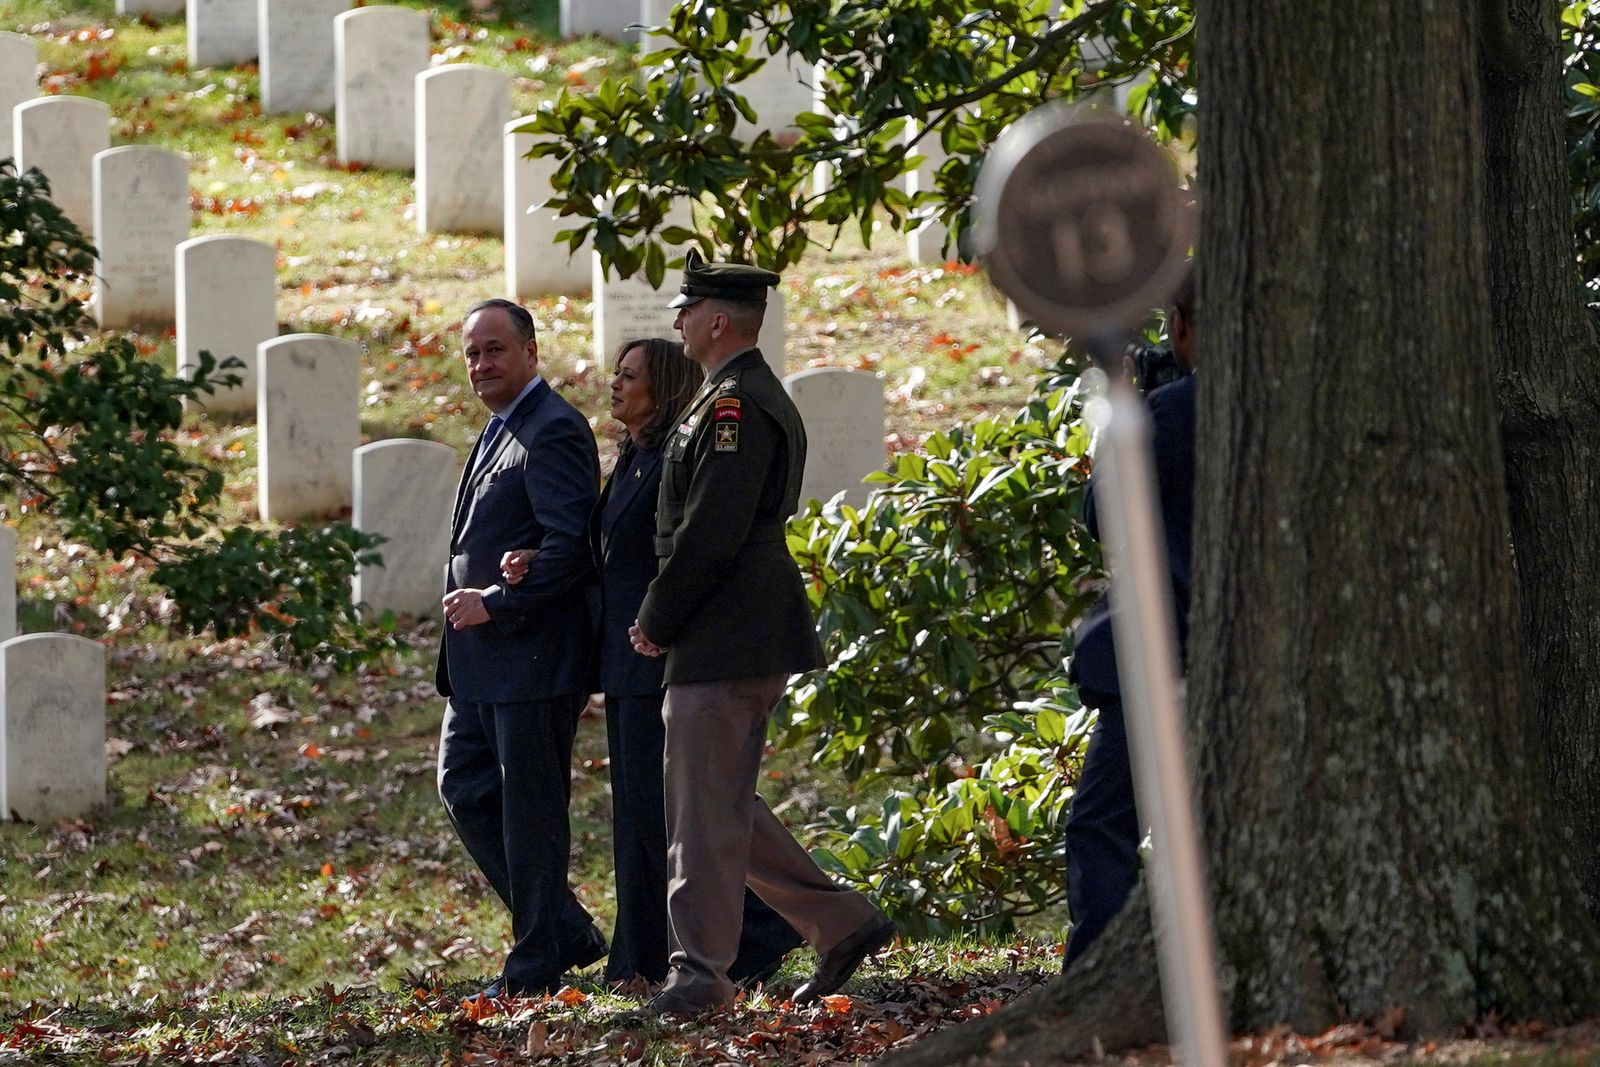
pixel 520 319
pixel 744 317
pixel 672 378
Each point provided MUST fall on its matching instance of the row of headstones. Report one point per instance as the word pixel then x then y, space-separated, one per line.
pixel 220 291
pixel 370 65
pixel 134 199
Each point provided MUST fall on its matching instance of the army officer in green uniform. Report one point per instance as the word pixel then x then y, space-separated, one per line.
pixel 729 611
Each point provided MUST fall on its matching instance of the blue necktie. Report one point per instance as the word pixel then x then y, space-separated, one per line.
pixel 491 434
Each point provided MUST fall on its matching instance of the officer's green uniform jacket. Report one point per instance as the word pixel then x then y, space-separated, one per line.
pixel 728 601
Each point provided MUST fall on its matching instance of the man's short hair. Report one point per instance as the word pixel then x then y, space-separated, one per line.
pixel 745 318
pixel 520 319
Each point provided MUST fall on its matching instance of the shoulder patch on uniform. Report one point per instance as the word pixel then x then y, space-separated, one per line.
pixel 728 437
pixel 727 402
pixel 729 384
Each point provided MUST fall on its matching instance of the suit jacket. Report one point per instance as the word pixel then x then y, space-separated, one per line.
pixel 534 489
pixel 1094 654
pixel 625 555
pixel 729 601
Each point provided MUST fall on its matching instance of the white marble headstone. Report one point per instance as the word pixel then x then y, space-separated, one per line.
pixel 52 727
pixel 149 7
pixel 822 175
pixel 653 13
pixel 405 491
pixel 296 52
pixel 601 18
pixel 8 582
pixel 227 305
pixel 535 264
pixel 60 135
pixel 774 332
pixel 627 309
pixel 925 244
pixel 462 111
pixel 843 414
pixel 379 53
pixel 223 32
pixel 307 424
pixel 141 215
pixel 784 87
pixel 19 81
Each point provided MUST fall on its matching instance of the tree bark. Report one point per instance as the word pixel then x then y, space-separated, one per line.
pixel 1548 371
pixel 1372 780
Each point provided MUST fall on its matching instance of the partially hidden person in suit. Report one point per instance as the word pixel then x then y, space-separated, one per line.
pixel 651 383
pixel 513 662
pixel 1103 829
pixel 729 610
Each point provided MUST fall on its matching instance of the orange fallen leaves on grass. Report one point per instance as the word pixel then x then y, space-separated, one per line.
pixel 838 1004
pixel 100 66
pixel 479 1008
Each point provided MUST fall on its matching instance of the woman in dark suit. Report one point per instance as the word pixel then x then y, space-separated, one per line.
pixel 652 382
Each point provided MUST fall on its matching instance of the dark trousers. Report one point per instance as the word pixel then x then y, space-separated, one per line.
pixel 505 776
pixel 1102 834
pixel 636 734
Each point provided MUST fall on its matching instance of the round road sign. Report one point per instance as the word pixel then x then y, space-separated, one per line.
pixel 1082 221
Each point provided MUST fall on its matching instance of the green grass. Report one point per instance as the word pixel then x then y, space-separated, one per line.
pixel 275 873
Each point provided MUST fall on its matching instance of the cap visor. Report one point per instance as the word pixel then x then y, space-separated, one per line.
pixel 683 300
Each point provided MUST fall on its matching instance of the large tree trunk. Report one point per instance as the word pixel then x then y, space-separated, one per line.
pixel 1548 368
pixel 1371 777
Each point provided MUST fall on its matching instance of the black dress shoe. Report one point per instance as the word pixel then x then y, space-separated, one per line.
pixel 835 966
pixel 588 947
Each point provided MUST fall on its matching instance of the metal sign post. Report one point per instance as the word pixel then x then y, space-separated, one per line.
pixel 1083 226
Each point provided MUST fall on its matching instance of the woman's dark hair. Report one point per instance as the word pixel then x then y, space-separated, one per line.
pixel 672 379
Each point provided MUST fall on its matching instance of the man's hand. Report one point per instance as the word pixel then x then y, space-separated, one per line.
pixel 464 608
pixel 642 644
pixel 514 564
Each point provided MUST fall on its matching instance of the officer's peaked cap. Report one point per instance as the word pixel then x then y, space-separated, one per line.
pixel 738 282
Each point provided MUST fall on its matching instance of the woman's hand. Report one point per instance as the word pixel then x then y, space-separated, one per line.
pixel 514 564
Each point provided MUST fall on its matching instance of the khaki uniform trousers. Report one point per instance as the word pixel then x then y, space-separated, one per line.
pixel 721 835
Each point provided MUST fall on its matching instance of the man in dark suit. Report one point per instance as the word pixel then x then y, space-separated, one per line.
pixel 514 659
pixel 730 611
pixel 1103 829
